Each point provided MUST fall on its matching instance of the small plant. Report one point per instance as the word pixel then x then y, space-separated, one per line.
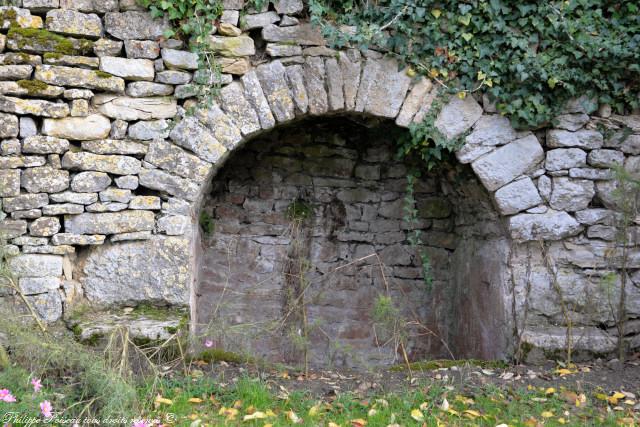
pixel 207 224
pixel 298 210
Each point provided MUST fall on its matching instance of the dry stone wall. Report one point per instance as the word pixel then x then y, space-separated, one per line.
pixel 102 173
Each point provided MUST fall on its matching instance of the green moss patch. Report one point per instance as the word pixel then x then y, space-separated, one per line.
pixel 33 39
pixel 33 87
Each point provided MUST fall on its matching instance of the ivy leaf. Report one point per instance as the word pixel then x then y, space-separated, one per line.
pixel 467 36
pixel 465 20
pixel 436 13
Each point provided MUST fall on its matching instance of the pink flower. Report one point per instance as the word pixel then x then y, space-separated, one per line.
pixel 35 382
pixel 140 423
pixel 208 343
pixel 6 396
pixel 45 409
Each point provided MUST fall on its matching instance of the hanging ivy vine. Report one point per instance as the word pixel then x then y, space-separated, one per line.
pixel 529 57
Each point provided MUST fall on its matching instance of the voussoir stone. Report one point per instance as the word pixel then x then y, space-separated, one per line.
pixel 44 145
pixel 91 127
pixel 134 25
pixel 160 180
pixel 44 179
pixel 78 77
pixel 126 108
pixel 382 88
pixel 73 23
pixel 128 69
pixel 303 34
pixel 222 127
pixel 189 133
pixel 256 97
pixel 109 222
pixel 88 182
pixel 239 109
pixel 177 161
pixel 517 196
pixel 458 116
pixel 117 165
pixel 508 162
pixel 313 72
pixel 272 77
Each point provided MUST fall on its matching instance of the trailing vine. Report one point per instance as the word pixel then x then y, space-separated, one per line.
pixel 193 21
pixel 415 234
pixel 529 57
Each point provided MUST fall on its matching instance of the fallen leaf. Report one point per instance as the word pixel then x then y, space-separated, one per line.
pixel 549 391
pixel 444 405
pixel 160 399
pixel 546 414
pixel 195 400
pixel 293 417
pixel 358 422
pixel 255 416
pixel 417 415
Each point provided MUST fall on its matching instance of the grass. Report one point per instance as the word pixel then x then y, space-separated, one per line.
pixel 206 402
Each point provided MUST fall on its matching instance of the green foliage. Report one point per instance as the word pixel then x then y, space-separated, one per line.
pixel 298 210
pixel 207 224
pixel 194 21
pixel 530 57
pixel 415 234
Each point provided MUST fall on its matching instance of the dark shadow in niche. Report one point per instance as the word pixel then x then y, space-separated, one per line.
pixel 305 255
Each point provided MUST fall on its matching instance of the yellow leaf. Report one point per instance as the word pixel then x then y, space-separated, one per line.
pixel 467 36
pixel 255 416
pixel 293 417
pixel 268 425
pixel 358 422
pixel 228 412
pixel 332 425
pixel 481 75
pixel 453 412
pixel 417 415
pixel 436 13
pixel 562 372
pixel 423 406
pixel 562 420
pixel 462 94
pixel 471 413
pixel 160 399
pixel 410 72
pixel 433 73
pixel 549 391
pixel 465 20
pixel 371 412
pixel 195 400
pixel 546 414
pixel 601 396
pixel 313 411
pixel 270 413
pixel 489 82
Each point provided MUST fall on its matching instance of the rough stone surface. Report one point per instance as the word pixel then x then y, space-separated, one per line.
pixel 304 34
pixel 94 126
pixel 588 139
pixel 74 23
pixel 565 158
pixel 383 88
pixel 134 25
pixel 508 162
pixel 571 194
pixel 126 108
pixel 272 78
pixel 128 69
pixel 189 133
pixel 88 182
pixel 553 225
pixel 517 196
pixel 44 179
pixel 78 77
pixel 457 116
pixel 109 222
pixel 147 130
pixel 150 270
